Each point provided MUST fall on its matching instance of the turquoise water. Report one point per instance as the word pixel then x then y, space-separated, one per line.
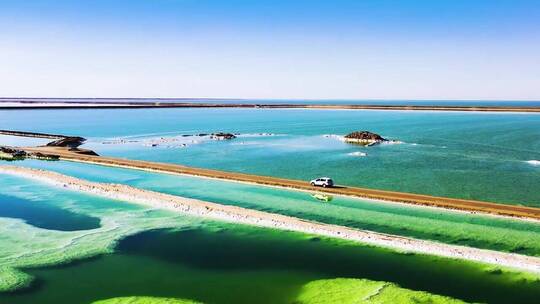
pixel 480 156
pixel 418 222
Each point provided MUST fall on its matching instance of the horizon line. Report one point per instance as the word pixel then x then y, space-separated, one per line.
pixel 6 99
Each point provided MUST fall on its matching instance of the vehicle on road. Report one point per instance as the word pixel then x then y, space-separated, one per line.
pixel 322 182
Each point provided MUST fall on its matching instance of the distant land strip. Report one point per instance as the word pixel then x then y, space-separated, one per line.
pixel 36 105
pixel 393 196
pixel 31 134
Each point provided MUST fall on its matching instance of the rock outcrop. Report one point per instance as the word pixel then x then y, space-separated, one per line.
pixel 222 136
pixel 16 154
pixel 42 156
pixel 70 141
pixel 11 154
pixel 364 138
pixel 84 152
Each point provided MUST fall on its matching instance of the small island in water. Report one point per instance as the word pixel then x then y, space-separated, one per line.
pixel 365 138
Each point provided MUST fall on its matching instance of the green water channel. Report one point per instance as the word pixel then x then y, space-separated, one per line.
pixel 151 254
pixel 451 227
pixel 223 263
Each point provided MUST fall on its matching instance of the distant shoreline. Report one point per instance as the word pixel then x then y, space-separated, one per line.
pixel 73 104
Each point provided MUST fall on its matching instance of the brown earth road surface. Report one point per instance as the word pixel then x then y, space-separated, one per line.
pixel 418 199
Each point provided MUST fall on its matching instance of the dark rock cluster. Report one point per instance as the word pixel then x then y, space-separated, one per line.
pixel 11 154
pixel 222 136
pixel 364 138
pixel 7 153
pixel 71 141
pixel 364 135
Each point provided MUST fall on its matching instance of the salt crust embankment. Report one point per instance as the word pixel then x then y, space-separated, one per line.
pixel 263 219
pixel 518 211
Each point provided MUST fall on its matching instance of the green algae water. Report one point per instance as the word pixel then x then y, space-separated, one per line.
pixel 148 253
pixel 60 237
pixel 413 221
pixel 483 156
pixel 45 216
pixel 223 263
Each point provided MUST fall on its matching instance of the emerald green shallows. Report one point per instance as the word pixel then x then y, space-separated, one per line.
pixel 436 224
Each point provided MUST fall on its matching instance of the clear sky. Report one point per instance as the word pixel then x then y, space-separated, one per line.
pixel 362 49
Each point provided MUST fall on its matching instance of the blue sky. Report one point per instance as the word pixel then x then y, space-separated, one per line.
pixel 364 49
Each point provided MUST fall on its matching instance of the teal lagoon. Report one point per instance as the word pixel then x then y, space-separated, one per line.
pixel 482 156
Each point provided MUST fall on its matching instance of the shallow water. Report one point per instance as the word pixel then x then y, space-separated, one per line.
pixel 414 221
pixel 164 254
pixel 482 156
pixel 222 263
pixel 44 216
pixel 60 232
